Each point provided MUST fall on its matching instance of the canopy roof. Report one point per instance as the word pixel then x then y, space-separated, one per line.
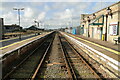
pixel 98 21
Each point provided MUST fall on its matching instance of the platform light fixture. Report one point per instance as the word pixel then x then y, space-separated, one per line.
pixel 109 12
pixel 88 18
pixel 93 16
pixel 19 9
pixel 83 20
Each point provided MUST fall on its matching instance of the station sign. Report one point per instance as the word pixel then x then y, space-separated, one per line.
pixel 113 28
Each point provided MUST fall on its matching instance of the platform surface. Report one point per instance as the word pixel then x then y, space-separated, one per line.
pixel 19 44
pixel 6 42
pixel 107 48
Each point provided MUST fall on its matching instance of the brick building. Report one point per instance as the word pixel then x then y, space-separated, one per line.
pixel 103 24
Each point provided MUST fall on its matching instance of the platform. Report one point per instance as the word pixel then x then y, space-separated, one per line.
pixel 100 42
pixel 16 45
pixel 105 55
pixel 9 41
pixel 107 48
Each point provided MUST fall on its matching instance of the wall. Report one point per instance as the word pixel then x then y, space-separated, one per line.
pixel 96 31
pixel 114 19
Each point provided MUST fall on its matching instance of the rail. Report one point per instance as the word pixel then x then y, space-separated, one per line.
pixel 39 65
pixel 71 73
pixel 7 76
pixel 111 66
pixel 74 75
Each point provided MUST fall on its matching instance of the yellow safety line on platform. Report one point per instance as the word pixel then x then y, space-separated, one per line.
pixel 117 52
pixel 13 38
pixel 14 43
pixel 10 45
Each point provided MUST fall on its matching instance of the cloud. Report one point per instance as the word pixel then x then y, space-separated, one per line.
pixel 28 15
pixel 59 0
pixel 101 5
pixel 41 16
pixel 70 12
pixel 10 18
pixel 28 12
pixel 62 15
pixel 50 13
pixel 47 8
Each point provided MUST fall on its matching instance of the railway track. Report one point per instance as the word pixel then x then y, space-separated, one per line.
pixel 54 58
pixel 75 66
pixel 54 65
pixel 26 69
pixel 79 68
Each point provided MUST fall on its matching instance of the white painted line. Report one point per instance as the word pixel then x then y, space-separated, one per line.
pixel 1 55
pixel 115 67
pixel 99 53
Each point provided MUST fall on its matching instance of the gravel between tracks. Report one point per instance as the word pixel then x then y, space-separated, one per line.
pixel 80 68
pixel 97 66
pixel 54 66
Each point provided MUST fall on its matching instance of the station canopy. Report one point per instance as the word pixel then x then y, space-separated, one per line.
pixel 98 21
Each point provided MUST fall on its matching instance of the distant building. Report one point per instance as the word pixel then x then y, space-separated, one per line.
pixel 33 28
pixel 66 29
pixel 62 29
pixel 11 28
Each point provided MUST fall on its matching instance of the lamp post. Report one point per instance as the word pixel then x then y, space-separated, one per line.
pixel 108 13
pixel 18 9
pixel 68 24
pixel 37 23
pixel 88 18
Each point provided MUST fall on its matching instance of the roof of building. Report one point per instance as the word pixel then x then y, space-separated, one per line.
pixel 33 28
pixel 13 25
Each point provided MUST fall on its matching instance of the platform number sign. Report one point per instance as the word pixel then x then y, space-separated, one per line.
pixel 113 28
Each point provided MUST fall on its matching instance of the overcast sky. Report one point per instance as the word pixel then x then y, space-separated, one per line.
pixel 52 14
